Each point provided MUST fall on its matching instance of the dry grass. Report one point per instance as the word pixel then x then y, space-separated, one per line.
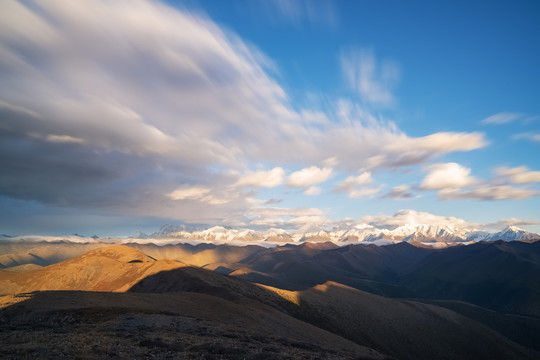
pixel 164 326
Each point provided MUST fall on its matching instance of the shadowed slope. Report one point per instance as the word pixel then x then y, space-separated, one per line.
pixel 524 330
pixel 404 329
pixel 368 267
pixel 503 276
pixel 200 254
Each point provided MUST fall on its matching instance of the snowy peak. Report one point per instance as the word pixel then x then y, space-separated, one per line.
pixel 437 233
pixel 513 233
pixel 417 233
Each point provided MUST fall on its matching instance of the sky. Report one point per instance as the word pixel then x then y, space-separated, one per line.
pixel 118 116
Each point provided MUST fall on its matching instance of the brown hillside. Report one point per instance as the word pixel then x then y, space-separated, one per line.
pixel 41 253
pixel 110 268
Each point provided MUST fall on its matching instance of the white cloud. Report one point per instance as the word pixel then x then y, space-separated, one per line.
pixel 356 186
pixel 268 179
pixel 373 81
pixel 447 176
pixel 61 139
pixel 412 217
pixel 312 190
pixel 207 90
pixel 442 142
pixel 454 182
pixel 399 192
pixel 189 192
pixel 272 201
pixel 518 175
pixel 502 118
pixel 111 102
pixel 308 176
pixel 352 182
pixel 198 193
pixel 363 192
pixel 488 193
pixel 288 218
pixel 528 136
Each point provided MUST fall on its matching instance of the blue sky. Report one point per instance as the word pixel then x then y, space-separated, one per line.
pixel 123 116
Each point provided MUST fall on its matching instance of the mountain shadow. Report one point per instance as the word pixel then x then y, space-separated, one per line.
pixel 401 329
pixel 502 276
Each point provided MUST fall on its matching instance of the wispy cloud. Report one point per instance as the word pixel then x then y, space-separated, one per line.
pixel 357 186
pixel 288 218
pixel 159 116
pixel 355 193
pixel 353 181
pixel 268 179
pixel 399 192
pixel 488 193
pixel 502 223
pixel 198 193
pixel 518 175
pixel 322 12
pixel 412 217
pixel 528 136
pixel 309 176
pixel 312 190
pixel 453 181
pixel 502 118
pixel 372 80
pixel 272 201
pixel 447 176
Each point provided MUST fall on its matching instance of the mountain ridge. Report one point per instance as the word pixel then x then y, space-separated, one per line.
pixel 421 233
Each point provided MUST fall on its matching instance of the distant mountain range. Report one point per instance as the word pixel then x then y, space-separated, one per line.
pixel 426 234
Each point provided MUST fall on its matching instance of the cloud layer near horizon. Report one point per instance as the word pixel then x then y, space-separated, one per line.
pixel 148 110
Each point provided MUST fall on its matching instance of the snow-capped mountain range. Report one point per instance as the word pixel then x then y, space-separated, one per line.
pixel 434 234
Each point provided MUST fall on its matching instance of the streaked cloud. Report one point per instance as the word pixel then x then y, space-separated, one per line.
pixel 528 136
pixel 189 192
pixel 312 190
pixel 502 118
pixel 412 217
pixel 372 80
pixel 355 193
pixel 447 176
pixel 488 193
pixel 157 116
pixel 357 186
pixel 502 223
pixel 288 218
pixel 322 12
pixel 353 181
pixel 268 179
pixel 62 139
pixel 199 193
pixel 455 182
pixel 272 201
pixel 518 175
pixel 309 176
pixel 399 192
